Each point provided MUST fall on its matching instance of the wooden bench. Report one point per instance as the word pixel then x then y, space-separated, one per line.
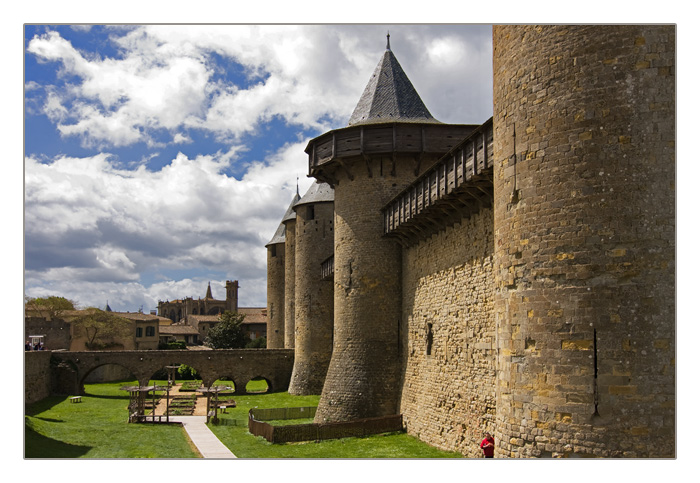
pixel 76 399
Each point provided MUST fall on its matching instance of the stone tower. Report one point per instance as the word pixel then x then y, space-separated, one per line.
pixel 289 222
pixel 314 292
pixel 584 169
pixel 391 136
pixel 232 295
pixel 275 284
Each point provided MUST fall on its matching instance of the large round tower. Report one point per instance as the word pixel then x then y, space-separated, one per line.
pixel 584 169
pixel 314 290
pixel 391 137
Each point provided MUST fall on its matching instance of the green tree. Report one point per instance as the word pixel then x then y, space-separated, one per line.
pixel 228 333
pixel 187 372
pixel 49 307
pixel 101 329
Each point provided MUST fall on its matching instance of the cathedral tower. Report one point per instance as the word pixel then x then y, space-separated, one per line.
pixel 232 296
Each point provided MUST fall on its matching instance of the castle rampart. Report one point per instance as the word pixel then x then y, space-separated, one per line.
pixel 448 393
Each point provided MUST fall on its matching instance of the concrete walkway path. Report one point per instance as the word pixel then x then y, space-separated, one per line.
pixel 202 437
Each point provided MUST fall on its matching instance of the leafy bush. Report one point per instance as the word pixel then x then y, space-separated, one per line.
pixel 259 343
pixel 187 372
pixel 177 345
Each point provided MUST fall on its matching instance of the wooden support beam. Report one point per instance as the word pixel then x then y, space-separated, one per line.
pixel 346 169
pixel 368 163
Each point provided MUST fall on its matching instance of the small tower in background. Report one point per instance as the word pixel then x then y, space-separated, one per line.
pixel 276 283
pixel 289 222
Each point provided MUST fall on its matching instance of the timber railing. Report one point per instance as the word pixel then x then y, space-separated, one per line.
pixel 327 267
pixel 461 178
pixel 315 431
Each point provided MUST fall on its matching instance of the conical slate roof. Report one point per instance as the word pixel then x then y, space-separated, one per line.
pixel 291 215
pixel 390 96
pixel 318 192
pixel 279 236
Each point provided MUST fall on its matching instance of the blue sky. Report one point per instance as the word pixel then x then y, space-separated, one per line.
pixel 161 158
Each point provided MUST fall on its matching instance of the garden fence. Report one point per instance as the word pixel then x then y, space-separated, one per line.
pixel 315 431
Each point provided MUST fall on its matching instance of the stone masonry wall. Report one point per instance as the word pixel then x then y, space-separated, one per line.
pixel 448 393
pixel 37 376
pixel 585 240
pixel 56 332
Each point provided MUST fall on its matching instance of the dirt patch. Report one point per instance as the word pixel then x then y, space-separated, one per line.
pixel 200 408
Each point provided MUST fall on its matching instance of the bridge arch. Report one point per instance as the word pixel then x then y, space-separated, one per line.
pixel 254 386
pixel 238 365
pixel 90 370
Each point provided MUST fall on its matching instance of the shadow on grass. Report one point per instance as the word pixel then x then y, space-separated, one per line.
pixel 43 405
pixel 39 446
pixel 107 396
pixel 51 420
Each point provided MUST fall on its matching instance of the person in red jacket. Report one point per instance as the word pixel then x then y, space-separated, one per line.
pixel 487 445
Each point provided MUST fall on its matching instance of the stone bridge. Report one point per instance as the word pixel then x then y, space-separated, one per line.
pixel 237 365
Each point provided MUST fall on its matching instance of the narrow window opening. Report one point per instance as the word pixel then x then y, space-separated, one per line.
pixel 595 372
pixel 429 341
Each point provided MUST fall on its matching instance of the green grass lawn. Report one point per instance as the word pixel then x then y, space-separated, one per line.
pixel 233 432
pixel 97 428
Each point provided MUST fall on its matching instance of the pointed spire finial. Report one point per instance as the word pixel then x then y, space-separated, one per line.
pixel 388 47
pixel 297 185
